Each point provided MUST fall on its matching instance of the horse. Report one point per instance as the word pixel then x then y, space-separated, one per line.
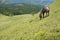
pixel 44 10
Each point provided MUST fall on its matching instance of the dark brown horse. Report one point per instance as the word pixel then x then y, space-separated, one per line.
pixel 44 10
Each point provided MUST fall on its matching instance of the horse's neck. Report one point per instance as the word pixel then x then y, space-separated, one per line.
pixel 40 11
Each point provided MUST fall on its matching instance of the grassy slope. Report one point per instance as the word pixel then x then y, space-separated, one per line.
pixel 29 27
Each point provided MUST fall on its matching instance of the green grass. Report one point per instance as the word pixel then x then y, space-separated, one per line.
pixel 29 27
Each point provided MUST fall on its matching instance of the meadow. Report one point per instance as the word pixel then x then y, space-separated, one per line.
pixel 30 27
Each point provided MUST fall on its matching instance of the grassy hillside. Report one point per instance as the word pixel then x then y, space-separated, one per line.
pixel 29 27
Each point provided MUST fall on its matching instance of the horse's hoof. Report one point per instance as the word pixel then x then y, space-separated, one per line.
pixel 40 18
pixel 43 17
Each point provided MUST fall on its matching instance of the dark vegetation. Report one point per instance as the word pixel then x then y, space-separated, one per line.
pixel 18 9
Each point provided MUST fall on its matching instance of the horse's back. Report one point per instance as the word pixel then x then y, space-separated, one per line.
pixel 46 8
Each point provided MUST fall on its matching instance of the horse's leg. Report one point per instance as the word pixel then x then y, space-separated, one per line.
pixel 43 14
pixel 48 13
